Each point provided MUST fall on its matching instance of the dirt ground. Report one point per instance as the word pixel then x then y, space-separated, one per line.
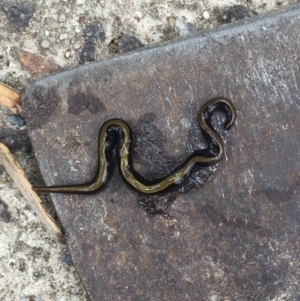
pixel 42 36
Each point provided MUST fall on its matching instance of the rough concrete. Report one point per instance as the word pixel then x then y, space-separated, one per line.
pixel 45 35
pixel 233 237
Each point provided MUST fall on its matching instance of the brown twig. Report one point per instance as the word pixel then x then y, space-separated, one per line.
pixel 9 97
pixel 16 172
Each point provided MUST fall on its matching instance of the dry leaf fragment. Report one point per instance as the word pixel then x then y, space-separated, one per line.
pixel 37 64
pixel 9 97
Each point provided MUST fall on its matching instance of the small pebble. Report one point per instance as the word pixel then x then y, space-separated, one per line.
pixel 76 45
pixel 214 297
pixel 62 18
pixel 81 19
pixel 184 30
pixel 66 258
pixel 171 22
pixel 129 22
pixel 63 36
pixel 16 119
pixel 67 42
pixel 77 30
pixel 80 2
pixel 138 15
pixel 45 44
pixel 47 33
pixel 29 44
pixel 206 15
pixel 53 24
pixel 102 3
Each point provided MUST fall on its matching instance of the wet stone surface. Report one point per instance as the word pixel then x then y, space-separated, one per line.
pixel 234 235
pixel 18 15
pixel 234 13
pixel 88 52
pixel 16 140
pixel 128 43
pixel 92 34
pixel 16 119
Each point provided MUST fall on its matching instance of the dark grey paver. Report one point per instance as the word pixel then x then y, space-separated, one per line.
pixel 234 238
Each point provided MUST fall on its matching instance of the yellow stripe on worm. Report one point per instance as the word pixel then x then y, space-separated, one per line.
pixel 122 135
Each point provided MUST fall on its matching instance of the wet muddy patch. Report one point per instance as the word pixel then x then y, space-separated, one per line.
pixel 152 161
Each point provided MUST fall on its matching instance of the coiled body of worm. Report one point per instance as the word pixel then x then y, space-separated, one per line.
pixel 115 138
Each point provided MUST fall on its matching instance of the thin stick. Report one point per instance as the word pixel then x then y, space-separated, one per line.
pixel 17 174
pixel 9 97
